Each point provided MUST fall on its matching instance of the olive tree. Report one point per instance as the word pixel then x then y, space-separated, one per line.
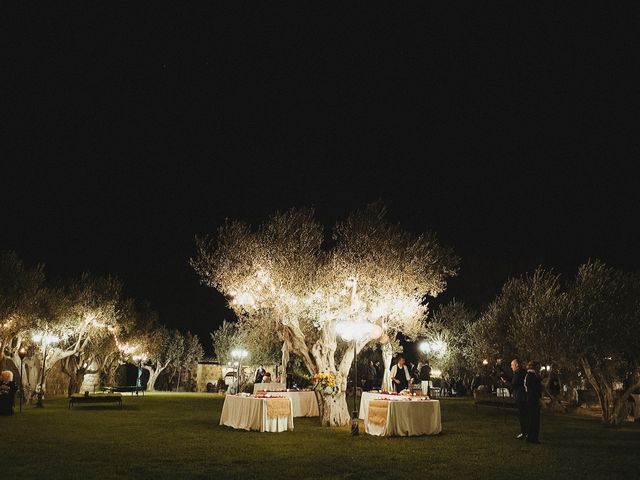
pixel 285 276
pixel 601 332
pixel 22 292
pixel 450 329
pixel 590 324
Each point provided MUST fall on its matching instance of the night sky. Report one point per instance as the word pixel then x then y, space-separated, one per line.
pixel 127 131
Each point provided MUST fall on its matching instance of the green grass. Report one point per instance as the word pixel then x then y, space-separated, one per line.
pixel 177 436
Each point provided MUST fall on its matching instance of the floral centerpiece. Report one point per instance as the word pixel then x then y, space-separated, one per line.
pixel 325 382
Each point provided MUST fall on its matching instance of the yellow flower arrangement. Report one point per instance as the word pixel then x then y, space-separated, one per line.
pixel 325 381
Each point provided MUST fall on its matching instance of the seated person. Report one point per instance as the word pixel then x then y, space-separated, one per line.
pixel 266 378
pixel 7 392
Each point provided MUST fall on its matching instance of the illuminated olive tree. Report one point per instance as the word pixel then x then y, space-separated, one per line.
pixel 601 331
pixel 591 325
pixel 157 348
pixel 22 292
pixel 447 339
pixel 285 276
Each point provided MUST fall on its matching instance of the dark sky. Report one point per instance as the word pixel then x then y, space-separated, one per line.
pixel 128 130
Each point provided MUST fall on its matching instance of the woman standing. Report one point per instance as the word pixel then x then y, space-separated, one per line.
pixel 400 375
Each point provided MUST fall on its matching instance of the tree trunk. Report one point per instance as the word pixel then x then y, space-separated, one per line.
pixel 153 376
pixel 178 384
pixel 333 406
pixel 613 406
pixel 334 409
pixel 31 371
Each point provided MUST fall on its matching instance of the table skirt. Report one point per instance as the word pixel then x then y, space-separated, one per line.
pixel 408 418
pixel 250 413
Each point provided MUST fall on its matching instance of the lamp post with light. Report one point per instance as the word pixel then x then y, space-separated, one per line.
pixel 22 353
pixel 45 340
pixel 239 354
pixel 355 332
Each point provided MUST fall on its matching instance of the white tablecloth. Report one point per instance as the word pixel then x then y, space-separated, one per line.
pixel 272 387
pixel 366 398
pixel 304 404
pixel 409 418
pixel 250 413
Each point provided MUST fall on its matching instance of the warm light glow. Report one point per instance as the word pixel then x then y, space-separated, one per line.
pixel 140 357
pixel 244 300
pixel 437 347
pixel 485 362
pixel 47 339
pixel 436 373
pixel 358 330
pixel 240 353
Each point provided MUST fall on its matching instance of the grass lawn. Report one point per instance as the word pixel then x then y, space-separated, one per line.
pixel 177 436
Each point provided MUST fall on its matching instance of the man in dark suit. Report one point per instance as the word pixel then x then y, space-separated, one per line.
pixel 425 376
pixel 520 396
pixel 533 387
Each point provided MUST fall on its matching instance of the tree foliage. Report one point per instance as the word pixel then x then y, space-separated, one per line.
pixel 589 323
pixel 88 322
pixel 284 276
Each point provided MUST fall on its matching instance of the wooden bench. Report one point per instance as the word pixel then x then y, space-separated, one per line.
pixel 125 389
pixel 95 398
pixel 492 400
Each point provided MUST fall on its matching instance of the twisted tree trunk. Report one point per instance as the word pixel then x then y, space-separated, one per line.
pixel 335 411
pixel 613 405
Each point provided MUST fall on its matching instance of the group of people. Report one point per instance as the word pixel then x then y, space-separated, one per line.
pixel 261 375
pixel 402 376
pixel 526 388
pixel 8 391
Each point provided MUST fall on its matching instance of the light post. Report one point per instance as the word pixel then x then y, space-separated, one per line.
pixel 355 332
pixel 46 340
pixel 22 353
pixel 239 354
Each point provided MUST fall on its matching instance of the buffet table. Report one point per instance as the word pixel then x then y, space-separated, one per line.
pixel 367 397
pixel 303 402
pixel 272 414
pixel 269 387
pixel 403 417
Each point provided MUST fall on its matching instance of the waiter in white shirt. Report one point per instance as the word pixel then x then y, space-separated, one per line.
pixel 400 375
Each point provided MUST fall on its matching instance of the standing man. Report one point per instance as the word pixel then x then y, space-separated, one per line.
pixel 520 396
pixel 425 377
pixel 289 374
pixel 400 375
pixel 533 387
